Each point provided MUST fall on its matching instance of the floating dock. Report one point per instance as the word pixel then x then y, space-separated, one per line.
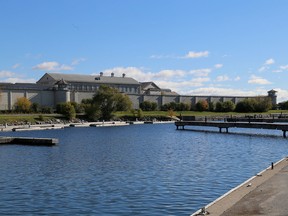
pixel 29 141
pixel 226 125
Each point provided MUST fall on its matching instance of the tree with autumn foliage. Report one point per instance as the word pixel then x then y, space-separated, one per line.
pixel 22 105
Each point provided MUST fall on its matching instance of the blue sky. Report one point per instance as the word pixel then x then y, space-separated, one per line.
pixel 201 47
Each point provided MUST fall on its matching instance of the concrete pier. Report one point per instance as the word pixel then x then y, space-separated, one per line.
pixel 264 194
pixel 29 141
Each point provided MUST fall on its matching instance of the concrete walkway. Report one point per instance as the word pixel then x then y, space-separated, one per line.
pixel 264 194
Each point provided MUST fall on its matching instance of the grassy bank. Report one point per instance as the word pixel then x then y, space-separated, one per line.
pixel 25 118
pixel 34 118
pixel 197 113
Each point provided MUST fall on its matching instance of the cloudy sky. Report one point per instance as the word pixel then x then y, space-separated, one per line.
pixel 194 47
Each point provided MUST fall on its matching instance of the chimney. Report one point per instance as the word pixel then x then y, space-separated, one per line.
pixel 123 75
pixel 101 73
pixel 112 74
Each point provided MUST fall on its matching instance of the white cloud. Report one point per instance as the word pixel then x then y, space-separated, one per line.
pixel 173 79
pixel 166 74
pixel 142 75
pixel 136 73
pixel 192 54
pixel 218 66
pixel 284 67
pixel 15 66
pixel 4 73
pixel 201 72
pixel 162 56
pixel 179 86
pixel 266 64
pixel 277 71
pixel 52 66
pixel 215 91
pixel 20 80
pixel 222 78
pixel 258 80
pixel 237 78
pixel 269 61
pixel 77 61
pixel 263 68
pixel 282 95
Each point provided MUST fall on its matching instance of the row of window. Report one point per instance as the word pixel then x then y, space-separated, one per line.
pixel 125 89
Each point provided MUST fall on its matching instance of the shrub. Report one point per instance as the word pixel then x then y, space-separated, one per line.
pixel 22 105
pixel 148 106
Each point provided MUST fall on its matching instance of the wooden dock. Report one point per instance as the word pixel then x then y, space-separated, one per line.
pixel 226 125
pixel 29 141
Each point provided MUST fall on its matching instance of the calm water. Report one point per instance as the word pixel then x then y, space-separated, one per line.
pixel 130 170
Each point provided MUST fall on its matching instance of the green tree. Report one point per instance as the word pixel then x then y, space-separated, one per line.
pixel 35 107
pixel 22 105
pixel 219 106
pixel 107 100
pixel 66 109
pixel 263 104
pixel 148 106
pixel 247 105
pixel 92 111
pixel 228 106
pixel 202 105
pixel 211 106
pixel 258 104
pixel 123 102
pixel 139 114
pixel 283 105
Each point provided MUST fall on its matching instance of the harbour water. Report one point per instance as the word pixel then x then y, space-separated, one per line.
pixel 130 170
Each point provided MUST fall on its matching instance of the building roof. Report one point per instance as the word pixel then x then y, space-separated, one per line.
pixel 149 85
pixel 79 78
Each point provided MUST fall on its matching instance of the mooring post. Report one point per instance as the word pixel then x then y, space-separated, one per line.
pixel 272 166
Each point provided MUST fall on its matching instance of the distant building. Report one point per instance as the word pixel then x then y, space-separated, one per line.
pixel 54 88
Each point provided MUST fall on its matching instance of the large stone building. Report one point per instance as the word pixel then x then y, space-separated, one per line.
pixel 54 88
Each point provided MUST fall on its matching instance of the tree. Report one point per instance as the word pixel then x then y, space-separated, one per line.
pixel 148 106
pixel 283 105
pixel 107 100
pixel 228 106
pixel 247 105
pixel 202 105
pixel 263 104
pixel 175 106
pixel 35 107
pixel 92 111
pixel 258 104
pixel 22 105
pixel 219 106
pixel 66 109
pixel 211 106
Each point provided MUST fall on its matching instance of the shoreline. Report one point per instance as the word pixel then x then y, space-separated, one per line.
pixel 54 126
pixel 233 197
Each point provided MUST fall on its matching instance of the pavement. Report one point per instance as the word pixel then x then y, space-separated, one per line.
pixel 263 194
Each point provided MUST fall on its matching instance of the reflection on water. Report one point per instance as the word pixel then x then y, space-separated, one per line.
pixel 131 170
